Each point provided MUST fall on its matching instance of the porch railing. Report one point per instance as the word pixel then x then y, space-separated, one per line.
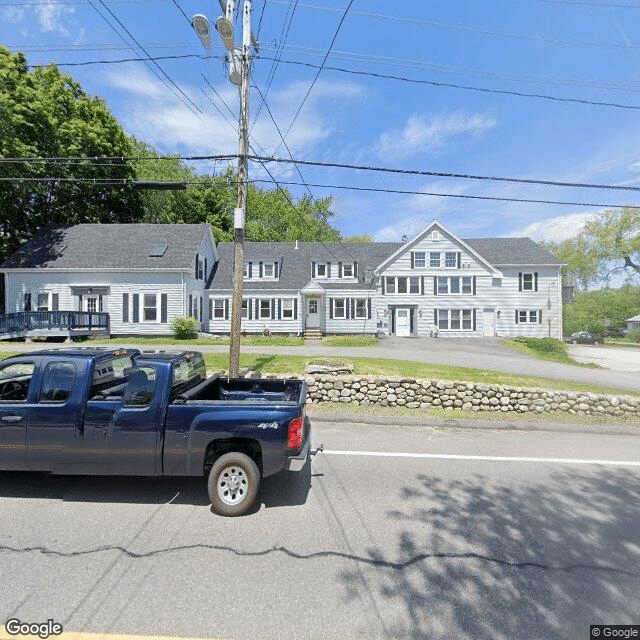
pixel 28 321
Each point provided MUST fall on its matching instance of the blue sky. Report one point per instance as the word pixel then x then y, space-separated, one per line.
pixel 422 85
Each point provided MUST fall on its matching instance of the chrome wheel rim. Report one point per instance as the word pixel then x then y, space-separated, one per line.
pixel 233 485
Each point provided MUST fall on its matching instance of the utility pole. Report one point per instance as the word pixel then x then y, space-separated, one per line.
pixel 239 74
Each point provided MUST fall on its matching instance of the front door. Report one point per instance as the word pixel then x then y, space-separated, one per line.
pixel 313 313
pixel 488 323
pixel 403 322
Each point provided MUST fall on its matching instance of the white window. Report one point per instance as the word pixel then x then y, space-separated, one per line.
pixel 245 309
pixel 361 308
pixel 528 316
pixel 218 308
pixel 287 308
pixel 527 282
pixel 265 308
pixel 455 319
pixel 43 302
pixel 149 307
pixel 454 285
pixel 339 308
pixel 268 270
pixel 321 271
pixel 391 284
pixel 419 259
pixel 443 286
pixel 347 271
pixel 414 285
pixel 450 259
pixel 92 304
pixel 467 284
pixel 245 270
pixel 403 282
pixel 434 259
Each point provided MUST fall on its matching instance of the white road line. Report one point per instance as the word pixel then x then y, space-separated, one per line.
pixel 451 456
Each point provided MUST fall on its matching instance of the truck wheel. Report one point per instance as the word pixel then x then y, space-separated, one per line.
pixel 233 484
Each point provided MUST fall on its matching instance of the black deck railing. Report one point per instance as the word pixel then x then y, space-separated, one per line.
pixel 27 321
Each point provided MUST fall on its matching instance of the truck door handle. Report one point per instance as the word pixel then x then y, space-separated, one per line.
pixel 11 419
pixel 182 432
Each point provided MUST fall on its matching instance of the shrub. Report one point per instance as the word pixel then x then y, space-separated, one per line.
pixel 543 346
pixel 184 328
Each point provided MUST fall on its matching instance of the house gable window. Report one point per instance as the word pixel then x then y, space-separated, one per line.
pixel 434 259
pixel 528 281
pixel 260 270
pixel 419 259
pixel 451 259
pixel 402 284
pixel 347 271
pixel 453 285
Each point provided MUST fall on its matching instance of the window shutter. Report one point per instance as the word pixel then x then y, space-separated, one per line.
pixel 331 308
pixel 250 308
pixel 435 317
pixel 459 259
pixel 295 308
pixel 226 309
pixel 27 302
pixel 474 285
pixel 435 285
pixel 279 308
pixel 382 283
pixel 328 269
pixel 369 309
pixel 520 282
pixel 275 269
pixel 339 269
pixel 516 316
pixel 251 270
pixel 353 307
pixel 205 269
pixel 190 305
pixel 355 270
pixel 260 270
pixel 540 316
pixel 197 262
pixel 163 307
pixel 210 309
pixel 257 311
pixel 313 269
pixel 55 301
pixel 273 308
pixel 200 309
pixel 535 279
pixel 136 307
pixel 474 319
pixel 125 307
pixel 413 260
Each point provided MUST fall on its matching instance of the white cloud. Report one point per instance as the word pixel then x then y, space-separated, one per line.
pixel 555 229
pixel 427 133
pixel 49 17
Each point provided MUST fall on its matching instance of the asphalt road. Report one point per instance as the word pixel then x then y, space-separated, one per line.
pixel 404 532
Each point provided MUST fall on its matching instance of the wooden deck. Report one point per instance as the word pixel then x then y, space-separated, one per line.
pixel 42 324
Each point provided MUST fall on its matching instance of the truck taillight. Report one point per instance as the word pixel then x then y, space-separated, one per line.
pixel 295 433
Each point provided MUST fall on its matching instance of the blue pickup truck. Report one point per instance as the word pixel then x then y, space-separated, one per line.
pixel 94 411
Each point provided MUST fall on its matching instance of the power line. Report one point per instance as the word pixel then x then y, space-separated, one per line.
pixel 335 36
pixel 146 54
pixel 338 165
pixel 433 83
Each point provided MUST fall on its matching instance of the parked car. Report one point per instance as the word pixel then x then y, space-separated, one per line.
pixel 122 412
pixel 616 333
pixel 582 337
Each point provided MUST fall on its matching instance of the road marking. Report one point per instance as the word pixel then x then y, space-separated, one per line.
pixel 81 635
pixel 455 456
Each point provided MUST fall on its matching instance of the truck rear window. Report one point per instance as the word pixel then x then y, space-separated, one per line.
pixel 110 372
pixel 189 371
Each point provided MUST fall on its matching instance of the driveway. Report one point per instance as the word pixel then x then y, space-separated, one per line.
pixel 615 358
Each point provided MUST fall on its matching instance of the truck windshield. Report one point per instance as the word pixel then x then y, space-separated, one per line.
pixel 189 371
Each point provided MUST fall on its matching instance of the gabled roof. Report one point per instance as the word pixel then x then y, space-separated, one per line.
pixel 428 229
pixel 111 246
pixel 295 262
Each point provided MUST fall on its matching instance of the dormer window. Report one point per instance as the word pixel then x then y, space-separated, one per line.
pixel 269 270
pixel 347 271
pixel 321 271
pixel 260 270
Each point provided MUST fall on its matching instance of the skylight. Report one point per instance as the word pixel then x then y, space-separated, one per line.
pixel 158 250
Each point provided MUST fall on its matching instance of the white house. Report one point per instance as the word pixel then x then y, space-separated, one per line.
pixel 142 275
pixel 476 287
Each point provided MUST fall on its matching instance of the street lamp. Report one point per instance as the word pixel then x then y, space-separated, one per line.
pixel 240 70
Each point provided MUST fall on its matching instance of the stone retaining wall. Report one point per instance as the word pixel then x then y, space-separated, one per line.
pixel 467 396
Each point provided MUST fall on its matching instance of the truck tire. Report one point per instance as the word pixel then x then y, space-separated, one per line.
pixel 233 484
